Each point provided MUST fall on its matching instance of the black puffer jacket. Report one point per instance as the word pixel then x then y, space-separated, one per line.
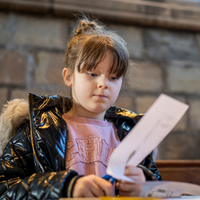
pixel 32 163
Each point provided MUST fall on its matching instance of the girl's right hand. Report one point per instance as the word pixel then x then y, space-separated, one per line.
pixel 92 186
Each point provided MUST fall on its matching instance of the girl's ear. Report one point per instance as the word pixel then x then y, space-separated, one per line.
pixel 67 77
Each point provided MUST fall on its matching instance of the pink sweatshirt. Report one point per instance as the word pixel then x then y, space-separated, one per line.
pixel 89 145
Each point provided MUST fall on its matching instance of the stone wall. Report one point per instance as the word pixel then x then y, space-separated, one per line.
pixel 161 61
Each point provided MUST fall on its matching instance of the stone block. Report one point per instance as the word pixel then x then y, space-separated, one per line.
pixel 183 77
pixel 163 45
pixel 179 146
pixel 3 97
pixel 194 114
pixel 49 68
pixel 3 28
pixel 41 32
pixel 125 101
pixel 19 94
pixel 145 76
pixel 143 103
pixel 133 38
pixel 23 94
pixel 12 68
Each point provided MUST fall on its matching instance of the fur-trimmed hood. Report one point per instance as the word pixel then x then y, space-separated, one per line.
pixel 14 113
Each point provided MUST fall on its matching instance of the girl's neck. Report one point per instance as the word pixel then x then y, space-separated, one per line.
pixel 81 112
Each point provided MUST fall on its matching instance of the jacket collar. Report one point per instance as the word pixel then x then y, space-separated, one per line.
pixel 17 111
pixel 64 104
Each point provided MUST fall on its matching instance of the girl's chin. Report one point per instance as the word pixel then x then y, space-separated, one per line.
pixel 99 109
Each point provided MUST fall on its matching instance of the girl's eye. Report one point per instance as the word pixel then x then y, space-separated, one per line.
pixel 91 74
pixel 114 78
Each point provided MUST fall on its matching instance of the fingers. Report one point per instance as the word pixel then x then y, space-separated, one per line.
pixel 105 185
pixel 131 188
pixel 135 173
pixel 127 186
pixel 92 186
pixel 95 191
pixel 132 170
pixel 88 193
pixel 128 189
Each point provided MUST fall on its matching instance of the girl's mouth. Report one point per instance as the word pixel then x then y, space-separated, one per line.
pixel 101 96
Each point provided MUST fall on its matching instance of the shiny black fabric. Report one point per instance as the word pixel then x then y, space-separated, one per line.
pixel 33 163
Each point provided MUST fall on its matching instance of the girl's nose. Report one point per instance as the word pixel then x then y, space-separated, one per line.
pixel 103 83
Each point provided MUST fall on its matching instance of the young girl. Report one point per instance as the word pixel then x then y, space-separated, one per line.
pixel 55 146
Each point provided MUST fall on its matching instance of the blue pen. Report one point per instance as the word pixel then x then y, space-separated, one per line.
pixel 109 178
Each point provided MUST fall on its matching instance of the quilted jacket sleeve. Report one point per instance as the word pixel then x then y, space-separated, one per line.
pixel 18 178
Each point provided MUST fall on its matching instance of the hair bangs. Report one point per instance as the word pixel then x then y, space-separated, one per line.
pixel 120 63
pixel 93 52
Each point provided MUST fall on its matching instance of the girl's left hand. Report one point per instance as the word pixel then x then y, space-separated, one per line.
pixel 128 188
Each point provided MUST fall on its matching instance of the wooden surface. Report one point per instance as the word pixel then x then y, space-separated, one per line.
pixel 180 170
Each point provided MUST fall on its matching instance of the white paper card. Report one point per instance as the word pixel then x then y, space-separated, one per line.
pixel 152 128
pixel 169 189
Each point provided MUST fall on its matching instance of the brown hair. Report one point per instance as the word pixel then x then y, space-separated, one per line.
pixel 90 44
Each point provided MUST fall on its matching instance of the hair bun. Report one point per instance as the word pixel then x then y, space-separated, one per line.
pixel 86 26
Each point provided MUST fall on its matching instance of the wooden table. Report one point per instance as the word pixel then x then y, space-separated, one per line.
pixel 180 170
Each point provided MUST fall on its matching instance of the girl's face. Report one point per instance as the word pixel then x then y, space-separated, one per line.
pixel 93 91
